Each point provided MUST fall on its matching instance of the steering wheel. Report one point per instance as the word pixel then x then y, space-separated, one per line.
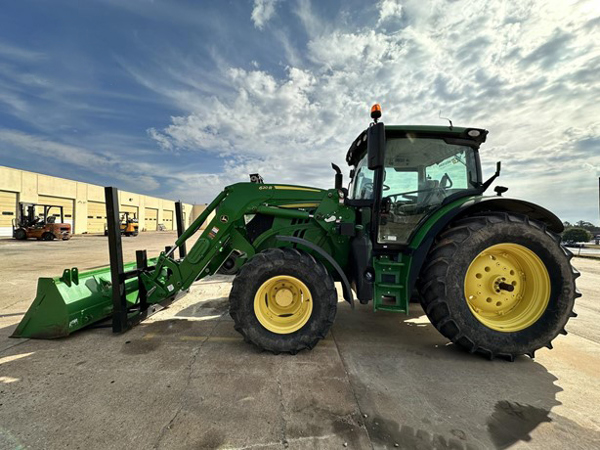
pixel 368 186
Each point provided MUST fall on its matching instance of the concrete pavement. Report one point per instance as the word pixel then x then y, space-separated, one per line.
pixel 185 379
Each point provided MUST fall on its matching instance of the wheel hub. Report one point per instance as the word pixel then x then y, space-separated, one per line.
pixel 284 297
pixel 283 304
pixel 507 287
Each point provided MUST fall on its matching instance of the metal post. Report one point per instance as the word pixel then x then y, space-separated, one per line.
pixel 141 259
pixel 180 227
pixel 117 271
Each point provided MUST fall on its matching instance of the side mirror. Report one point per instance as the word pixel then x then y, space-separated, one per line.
pixel 376 146
pixel 490 180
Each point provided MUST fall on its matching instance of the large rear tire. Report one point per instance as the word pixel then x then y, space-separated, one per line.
pixel 499 284
pixel 283 300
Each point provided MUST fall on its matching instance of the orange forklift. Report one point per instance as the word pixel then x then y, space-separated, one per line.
pixel 43 227
pixel 129 225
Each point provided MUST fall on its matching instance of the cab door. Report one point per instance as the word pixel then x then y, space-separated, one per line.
pixel 398 216
pixel 419 174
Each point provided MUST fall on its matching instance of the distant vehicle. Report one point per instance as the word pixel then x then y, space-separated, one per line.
pixel 43 226
pixel 129 225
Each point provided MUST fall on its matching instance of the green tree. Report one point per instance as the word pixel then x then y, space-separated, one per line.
pixel 584 224
pixel 576 235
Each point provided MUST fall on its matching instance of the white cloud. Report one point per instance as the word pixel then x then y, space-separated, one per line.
pixel 12 52
pixel 132 175
pixel 528 73
pixel 162 140
pixel 262 12
pixel 388 10
pixel 313 24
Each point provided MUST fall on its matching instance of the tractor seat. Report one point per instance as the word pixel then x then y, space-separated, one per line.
pixel 427 191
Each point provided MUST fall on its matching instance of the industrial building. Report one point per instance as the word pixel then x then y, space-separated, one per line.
pixel 83 203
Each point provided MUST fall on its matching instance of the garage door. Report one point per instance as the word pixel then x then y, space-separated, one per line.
pixel 151 218
pixel 168 219
pixel 66 203
pixel 96 217
pixel 8 212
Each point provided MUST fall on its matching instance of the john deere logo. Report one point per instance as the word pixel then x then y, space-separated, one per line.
pixel 224 219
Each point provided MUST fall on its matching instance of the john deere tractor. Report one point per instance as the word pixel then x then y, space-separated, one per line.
pixel 489 271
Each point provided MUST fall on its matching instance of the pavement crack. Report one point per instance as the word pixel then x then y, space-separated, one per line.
pixel 167 427
pixel 284 440
pixel 362 415
pixel 190 369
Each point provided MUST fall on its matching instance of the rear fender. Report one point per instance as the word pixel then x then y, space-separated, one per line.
pixel 503 204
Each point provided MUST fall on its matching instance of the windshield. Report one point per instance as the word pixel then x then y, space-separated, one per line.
pixel 419 174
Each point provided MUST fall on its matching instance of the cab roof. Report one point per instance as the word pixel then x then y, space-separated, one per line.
pixel 470 136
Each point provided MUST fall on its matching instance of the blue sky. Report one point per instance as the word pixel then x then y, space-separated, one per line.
pixel 178 99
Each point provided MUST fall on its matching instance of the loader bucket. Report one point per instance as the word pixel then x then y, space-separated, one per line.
pixel 68 303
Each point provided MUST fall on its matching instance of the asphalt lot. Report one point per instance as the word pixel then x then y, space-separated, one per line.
pixel 185 378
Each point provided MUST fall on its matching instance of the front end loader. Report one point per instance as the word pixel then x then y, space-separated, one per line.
pixel 489 271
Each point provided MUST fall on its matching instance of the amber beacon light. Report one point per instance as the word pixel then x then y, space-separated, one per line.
pixel 376 111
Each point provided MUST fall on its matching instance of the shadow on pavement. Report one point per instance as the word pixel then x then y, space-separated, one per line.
pixel 420 391
pixel 378 378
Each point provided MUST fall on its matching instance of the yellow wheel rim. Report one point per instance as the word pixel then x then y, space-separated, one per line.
pixel 283 304
pixel 507 287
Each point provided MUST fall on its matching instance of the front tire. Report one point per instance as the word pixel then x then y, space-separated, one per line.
pixel 499 284
pixel 283 300
pixel 20 234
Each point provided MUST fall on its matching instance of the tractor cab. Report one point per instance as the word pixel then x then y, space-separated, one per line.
pixel 409 172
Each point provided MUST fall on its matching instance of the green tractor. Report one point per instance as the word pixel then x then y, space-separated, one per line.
pixel 489 271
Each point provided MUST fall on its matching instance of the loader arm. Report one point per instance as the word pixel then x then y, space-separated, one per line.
pixel 77 299
pixel 226 232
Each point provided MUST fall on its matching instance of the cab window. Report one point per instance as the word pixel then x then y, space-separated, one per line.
pixel 419 175
pixel 362 184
